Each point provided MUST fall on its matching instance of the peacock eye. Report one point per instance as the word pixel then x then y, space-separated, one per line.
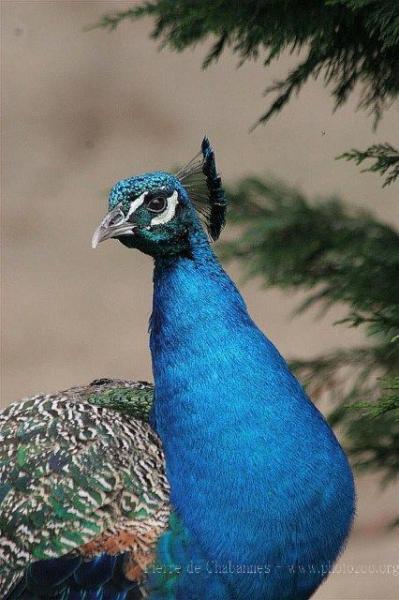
pixel 157 204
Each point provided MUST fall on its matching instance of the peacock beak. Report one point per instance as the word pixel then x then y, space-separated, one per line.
pixel 114 224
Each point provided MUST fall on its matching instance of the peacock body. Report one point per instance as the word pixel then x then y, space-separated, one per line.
pixel 81 469
pixel 226 483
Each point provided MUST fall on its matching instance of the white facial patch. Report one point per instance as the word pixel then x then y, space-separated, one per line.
pixel 169 211
pixel 136 204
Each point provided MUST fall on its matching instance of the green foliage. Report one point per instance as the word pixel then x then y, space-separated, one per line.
pixel 373 428
pixel 387 403
pixel 336 256
pixel 386 159
pixel 348 42
pixel 341 256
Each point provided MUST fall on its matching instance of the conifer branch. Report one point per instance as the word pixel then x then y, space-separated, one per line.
pixel 349 42
pixel 386 160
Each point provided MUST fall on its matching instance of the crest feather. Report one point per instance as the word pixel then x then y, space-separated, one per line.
pixel 204 185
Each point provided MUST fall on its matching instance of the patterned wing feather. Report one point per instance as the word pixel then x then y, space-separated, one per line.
pixel 81 472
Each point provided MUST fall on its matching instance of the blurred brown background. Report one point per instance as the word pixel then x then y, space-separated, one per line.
pixel 83 109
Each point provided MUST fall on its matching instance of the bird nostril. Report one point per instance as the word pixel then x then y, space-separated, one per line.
pixel 117 219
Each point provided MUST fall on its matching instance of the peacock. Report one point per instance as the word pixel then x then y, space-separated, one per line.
pixel 222 481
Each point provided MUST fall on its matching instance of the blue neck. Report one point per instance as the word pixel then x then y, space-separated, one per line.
pixel 238 432
pixel 211 365
pixel 198 326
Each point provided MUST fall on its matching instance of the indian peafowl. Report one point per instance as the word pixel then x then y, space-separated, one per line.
pixel 224 482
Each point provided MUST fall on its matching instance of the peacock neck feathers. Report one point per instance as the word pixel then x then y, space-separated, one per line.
pixel 238 432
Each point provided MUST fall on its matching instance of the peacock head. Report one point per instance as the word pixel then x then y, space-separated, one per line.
pixel 158 212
